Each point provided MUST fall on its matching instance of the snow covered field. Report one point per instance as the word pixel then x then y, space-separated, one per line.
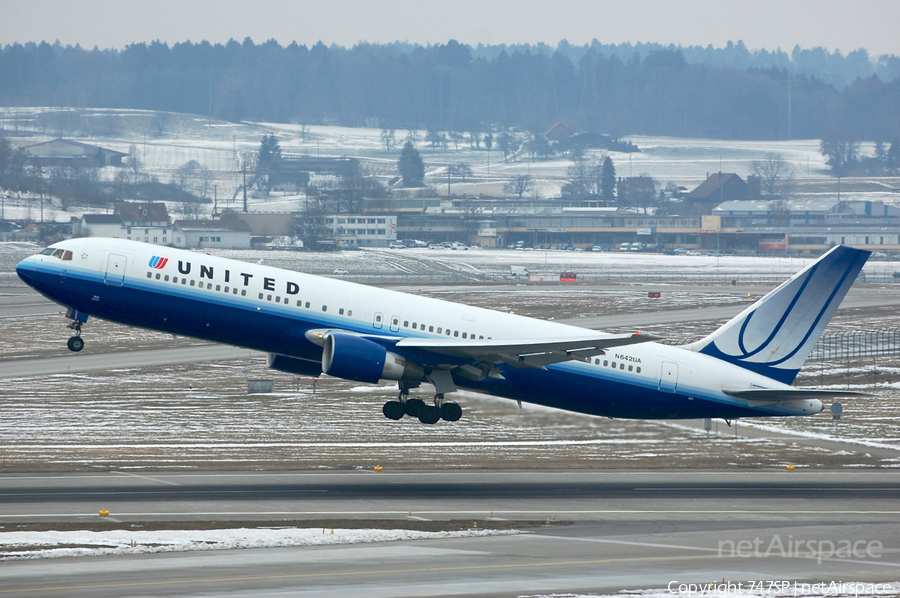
pixel 59 544
pixel 218 148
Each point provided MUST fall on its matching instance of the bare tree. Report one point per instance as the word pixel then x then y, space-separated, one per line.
pixel 776 176
pixel 388 138
pixel 462 170
pixel 519 185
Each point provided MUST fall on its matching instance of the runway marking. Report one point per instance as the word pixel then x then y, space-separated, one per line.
pixel 479 513
pixel 138 584
pixel 396 571
pixel 417 518
pixel 143 477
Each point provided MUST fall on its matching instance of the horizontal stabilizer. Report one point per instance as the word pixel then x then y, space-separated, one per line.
pixel 789 394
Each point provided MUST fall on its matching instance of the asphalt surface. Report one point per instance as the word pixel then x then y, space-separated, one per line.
pixel 612 530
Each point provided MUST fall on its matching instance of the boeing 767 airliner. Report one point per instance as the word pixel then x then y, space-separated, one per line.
pixel 309 325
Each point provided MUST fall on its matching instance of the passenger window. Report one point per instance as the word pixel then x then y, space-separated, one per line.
pixel 448 332
pixel 630 368
pixel 307 305
pixel 377 318
pixel 226 289
pixel 431 329
pixel 175 279
pixel 456 333
pixel 638 369
pixel 605 362
pixel 157 277
pixel 415 326
pixel 268 297
pixel 406 323
pixel 349 312
pixel 480 337
pixel 149 274
pixel 278 299
pixel 299 303
pixel 193 282
pixel 324 308
pixel 341 311
pixel 464 335
pixel 438 330
pixel 184 281
pixel 621 366
pixel 260 295
pixel 243 293
pixel 234 291
pixel 614 365
pixel 218 287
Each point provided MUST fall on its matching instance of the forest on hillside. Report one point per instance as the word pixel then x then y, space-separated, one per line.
pixel 454 87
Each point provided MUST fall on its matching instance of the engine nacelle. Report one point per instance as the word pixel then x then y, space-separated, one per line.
pixel 292 365
pixel 356 358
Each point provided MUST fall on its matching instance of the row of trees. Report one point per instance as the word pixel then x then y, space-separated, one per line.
pixel 447 87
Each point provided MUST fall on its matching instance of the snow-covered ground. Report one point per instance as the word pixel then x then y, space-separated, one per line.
pixel 218 147
pixel 56 544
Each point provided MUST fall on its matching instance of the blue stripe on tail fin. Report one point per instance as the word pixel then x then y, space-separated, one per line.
pixel 775 335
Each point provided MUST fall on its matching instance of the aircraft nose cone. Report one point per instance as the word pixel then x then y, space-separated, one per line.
pixel 25 270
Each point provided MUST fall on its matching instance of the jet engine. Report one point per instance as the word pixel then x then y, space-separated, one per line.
pixel 356 358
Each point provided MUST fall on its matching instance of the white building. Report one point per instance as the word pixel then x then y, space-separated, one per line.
pixel 147 222
pixel 364 231
pixel 101 225
pixel 232 234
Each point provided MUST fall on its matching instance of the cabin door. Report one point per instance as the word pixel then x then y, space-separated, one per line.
pixel 668 377
pixel 115 270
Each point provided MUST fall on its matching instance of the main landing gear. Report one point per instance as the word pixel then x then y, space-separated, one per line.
pixel 427 414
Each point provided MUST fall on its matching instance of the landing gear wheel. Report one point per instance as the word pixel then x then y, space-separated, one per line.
pixel 414 407
pixel 451 412
pixel 75 343
pixel 430 415
pixel 393 410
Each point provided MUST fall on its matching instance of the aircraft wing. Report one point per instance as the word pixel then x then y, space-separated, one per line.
pixel 525 353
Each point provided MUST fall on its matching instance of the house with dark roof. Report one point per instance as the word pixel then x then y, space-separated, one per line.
pixel 720 187
pixel 101 225
pixel 230 234
pixel 65 152
pixel 558 132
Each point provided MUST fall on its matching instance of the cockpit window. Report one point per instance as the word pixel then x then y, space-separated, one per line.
pixel 63 254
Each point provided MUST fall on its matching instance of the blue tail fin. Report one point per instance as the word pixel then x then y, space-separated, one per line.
pixel 775 335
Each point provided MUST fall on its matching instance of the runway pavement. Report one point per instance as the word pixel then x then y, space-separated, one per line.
pixel 614 530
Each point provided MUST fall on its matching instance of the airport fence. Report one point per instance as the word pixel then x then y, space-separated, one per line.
pixel 844 345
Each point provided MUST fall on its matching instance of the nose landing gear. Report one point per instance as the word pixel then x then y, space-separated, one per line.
pixel 76 343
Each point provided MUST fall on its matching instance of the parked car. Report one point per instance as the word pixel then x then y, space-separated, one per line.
pixel 681 250
pixel 462 246
pixel 668 251
pixel 715 254
pixel 396 245
pixel 693 252
pixel 340 272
